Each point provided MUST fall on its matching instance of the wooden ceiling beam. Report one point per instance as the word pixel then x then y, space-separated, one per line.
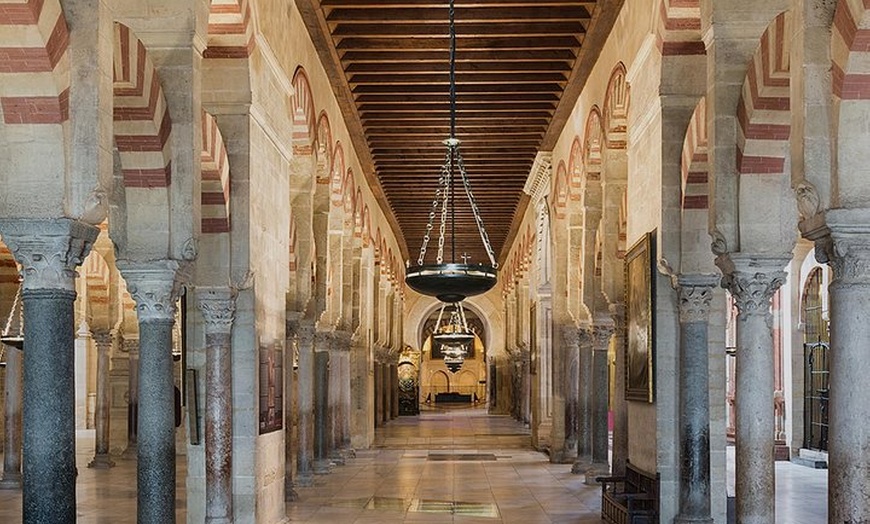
pixel 464 14
pixel 461 78
pixel 472 30
pixel 378 4
pixel 502 66
pixel 472 55
pixel 464 43
pixel 460 89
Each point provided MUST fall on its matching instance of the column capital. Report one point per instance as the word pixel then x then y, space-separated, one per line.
pixel 103 338
pixel 155 286
pixel 695 293
pixel 753 279
pixel 322 340
pixel 843 242
pixel 601 334
pixel 218 308
pixel 341 340
pixel 48 250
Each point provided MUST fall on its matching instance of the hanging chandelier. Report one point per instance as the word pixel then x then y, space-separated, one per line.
pixel 13 333
pixel 452 282
pixel 453 338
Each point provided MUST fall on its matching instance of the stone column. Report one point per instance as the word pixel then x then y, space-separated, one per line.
pixel 132 346
pixel 695 293
pixel 304 330
pixel 344 397
pixel 566 430
pixel 12 423
pixel 154 287
pixel 379 384
pixel 584 403
pixel 752 281
pixel 321 400
pixel 601 335
pixel 388 392
pixel 848 252
pixel 618 405
pixel 103 341
pixel 218 307
pixel 49 251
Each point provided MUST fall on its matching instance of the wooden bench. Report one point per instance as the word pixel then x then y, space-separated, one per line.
pixel 631 499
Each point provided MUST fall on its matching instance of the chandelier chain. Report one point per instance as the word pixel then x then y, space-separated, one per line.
pixel 442 183
pixel 484 236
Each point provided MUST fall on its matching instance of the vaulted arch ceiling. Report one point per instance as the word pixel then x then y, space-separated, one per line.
pixel 520 68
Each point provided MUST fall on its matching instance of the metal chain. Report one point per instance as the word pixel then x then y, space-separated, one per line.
pixel 442 182
pixel 475 211
pixel 447 175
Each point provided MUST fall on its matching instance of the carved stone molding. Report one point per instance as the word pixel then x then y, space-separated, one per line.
pixel 155 286
pixel 341 340
pixel 218 307
pixel 601 334
pixel 49 250
pixel 129 345
pixel 695 294
pixel 752 280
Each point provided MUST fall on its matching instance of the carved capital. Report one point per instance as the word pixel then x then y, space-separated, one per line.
pixel 103 339
pixel 341 340
pixel 601 334
pixel 155 287
pixel 847 247
pixel 218 307
pixel 752 280
pixel 130 345
pixel 695 294
pixel 322 340
pixel 49 250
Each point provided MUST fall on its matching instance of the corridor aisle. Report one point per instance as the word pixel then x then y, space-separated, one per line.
pixel 449 466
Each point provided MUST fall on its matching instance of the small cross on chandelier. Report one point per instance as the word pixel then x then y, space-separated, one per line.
pixel 452 282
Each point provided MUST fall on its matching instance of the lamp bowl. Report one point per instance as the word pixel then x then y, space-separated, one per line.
pixel 14 341
pixel 451 283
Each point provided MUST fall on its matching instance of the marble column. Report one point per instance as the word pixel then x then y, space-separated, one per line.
pixel 388 392
pixel 601 335
pixel 584 403
pixel 619 406
pixel 344 396
pixel 848 251
pixel 333 413
pixel 103 340
pixel 752 281
pixel 379 384
pixel 695 294
pixel 321 402
pixel 155 288
pixel 132 345
pixel 218 307
pixel 49 251
pixel 304 330
pixel 11 478
pixel 565 434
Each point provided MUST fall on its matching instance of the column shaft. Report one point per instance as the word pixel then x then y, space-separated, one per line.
pixel 394 388
pixel 584 402
pixel 321 421
pixel 12 429
pixel 155 450
pixel 103 341
pixel 599 403
pixel 619 405
pixel 379 384
pixel 346 407
pixel 305 451
pixel 49 407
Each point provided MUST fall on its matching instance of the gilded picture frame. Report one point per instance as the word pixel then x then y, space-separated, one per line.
pixel 640 320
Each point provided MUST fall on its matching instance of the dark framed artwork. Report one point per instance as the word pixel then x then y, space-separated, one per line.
pixel 640 319
pixel 271 388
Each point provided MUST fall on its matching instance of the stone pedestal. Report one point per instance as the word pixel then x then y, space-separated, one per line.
pixel 695 294
pixel 155 288
pixel 101 460
pixel 601 336
pixel 304 331
pixel 752 281
pixel 49 251
pixel 218 306
pixel 11 478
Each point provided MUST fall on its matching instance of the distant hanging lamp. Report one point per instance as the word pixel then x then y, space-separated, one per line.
pixel 452 282
pixel 13 333
pixel 454 338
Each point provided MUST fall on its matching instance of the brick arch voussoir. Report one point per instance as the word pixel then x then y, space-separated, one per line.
pixel 616 105
pixel 304 115
pixel 694 167
pixel 215 191
pixel 230 30
pixel 678 29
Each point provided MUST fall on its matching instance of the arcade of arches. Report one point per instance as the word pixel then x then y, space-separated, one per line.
pixel 210 272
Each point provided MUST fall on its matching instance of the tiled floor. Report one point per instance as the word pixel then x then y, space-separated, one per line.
pixel 445 466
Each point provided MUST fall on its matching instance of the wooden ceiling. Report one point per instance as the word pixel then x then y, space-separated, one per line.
pixel 520 68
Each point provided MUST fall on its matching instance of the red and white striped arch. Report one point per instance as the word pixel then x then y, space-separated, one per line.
pixel 215 193
pixel 616 109
pixel 850 50
pixel 336 179
pixel 142 123
pixel 593 144
pixel 764 111
pixel 695 171
pixel 679 29
pixel 230 30
pixel 348 191
pixel 366 226
pixel 97 274
pixel 575 168
pixel 34 62
pixel 302 105
pixel 561 190
pixel 323 136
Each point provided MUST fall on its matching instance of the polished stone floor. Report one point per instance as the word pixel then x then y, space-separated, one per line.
pixel 445 466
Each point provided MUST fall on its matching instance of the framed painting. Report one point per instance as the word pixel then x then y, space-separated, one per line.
pixel 640 319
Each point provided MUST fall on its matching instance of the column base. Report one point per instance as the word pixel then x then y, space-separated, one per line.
pixel 11 481
pixel 337 458
pixel 101 461
pixel 304 480
pixel 596 470
pixel 130 452
pixel 348 452
pixel 218 520
pixel 564 456
pixel 322 467
pixel 679 519
pixel 581 465
pixel 290 494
